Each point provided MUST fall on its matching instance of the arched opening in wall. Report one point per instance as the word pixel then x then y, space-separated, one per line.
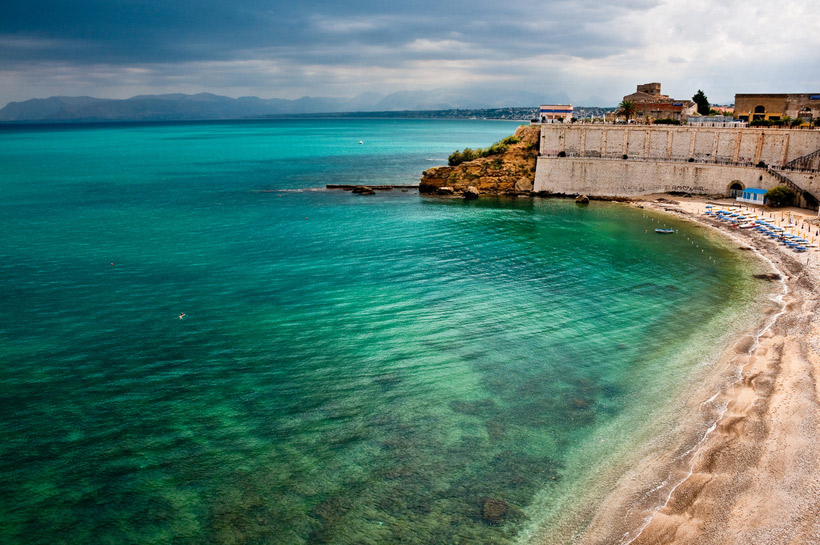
pixel 736 189
pixel 760 113
pixel 805 114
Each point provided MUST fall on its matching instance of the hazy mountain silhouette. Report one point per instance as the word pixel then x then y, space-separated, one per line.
pixel 179 106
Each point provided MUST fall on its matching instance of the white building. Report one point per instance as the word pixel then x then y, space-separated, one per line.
pixel 753 196
pixel 555 113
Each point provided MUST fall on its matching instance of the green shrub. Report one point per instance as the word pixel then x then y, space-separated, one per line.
pixel 510 140
pixel 469 154
pixel 458 157
pixel 780 196
pixel 455 158
pixel 666 122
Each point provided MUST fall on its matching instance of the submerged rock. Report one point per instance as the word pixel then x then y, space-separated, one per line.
pixel 495 430
pixel 363 190
pixel 771 277
pixel 476 407
pixel 493 510
pixel 582 199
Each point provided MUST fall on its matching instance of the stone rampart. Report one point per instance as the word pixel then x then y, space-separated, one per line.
pixel 589 159
pixel 628 178
pixel 774 147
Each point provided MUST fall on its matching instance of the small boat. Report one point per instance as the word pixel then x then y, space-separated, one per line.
pixel 664 231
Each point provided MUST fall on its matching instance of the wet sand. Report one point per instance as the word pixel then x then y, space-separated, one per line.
pixel 754 477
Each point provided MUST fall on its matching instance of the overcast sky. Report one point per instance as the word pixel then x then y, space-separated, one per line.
pixel 288 49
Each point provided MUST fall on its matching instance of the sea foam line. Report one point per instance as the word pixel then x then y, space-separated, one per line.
pixel 780 299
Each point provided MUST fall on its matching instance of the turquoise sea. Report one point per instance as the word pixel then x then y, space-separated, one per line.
pixel 201 345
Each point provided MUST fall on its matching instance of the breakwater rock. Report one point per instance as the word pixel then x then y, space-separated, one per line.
pixel 509 173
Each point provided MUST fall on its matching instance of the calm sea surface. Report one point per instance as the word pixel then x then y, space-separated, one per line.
pixel 346 369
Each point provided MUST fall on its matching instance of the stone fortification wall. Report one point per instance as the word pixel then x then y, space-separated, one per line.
pixel 619 178
pixel 576 159
pixel 703 144
pixel 808 181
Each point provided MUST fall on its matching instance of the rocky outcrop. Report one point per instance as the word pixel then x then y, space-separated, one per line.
pixel 510 173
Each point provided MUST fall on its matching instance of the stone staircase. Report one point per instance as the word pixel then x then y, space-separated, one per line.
pixel 802 195
pixel 804 162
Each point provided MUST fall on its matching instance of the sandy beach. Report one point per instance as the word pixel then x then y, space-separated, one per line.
pixel 754 477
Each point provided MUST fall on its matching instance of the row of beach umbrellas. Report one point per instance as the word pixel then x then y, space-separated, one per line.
pixel 772 228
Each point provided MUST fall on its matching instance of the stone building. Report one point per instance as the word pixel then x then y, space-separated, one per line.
pixel 651 104
pixel 752 107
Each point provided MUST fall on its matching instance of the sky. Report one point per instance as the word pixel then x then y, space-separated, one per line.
pixel 586 49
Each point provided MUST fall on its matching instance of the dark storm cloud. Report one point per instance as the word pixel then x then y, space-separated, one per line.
pixel 168 31
pixel 118 48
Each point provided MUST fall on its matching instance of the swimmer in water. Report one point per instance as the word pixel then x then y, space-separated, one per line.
pixel 181 315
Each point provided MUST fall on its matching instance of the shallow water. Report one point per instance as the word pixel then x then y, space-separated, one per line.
pixel 348 369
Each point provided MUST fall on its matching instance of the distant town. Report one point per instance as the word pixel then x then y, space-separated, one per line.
pixel 511 113
pixel 648 105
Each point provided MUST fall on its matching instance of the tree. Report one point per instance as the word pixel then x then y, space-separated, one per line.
pixel 702 102
pixel 627 109
pixel 779 196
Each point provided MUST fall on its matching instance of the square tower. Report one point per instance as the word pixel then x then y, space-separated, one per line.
pixel 653 89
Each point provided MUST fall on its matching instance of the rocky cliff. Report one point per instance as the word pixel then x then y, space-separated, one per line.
pixel 511 172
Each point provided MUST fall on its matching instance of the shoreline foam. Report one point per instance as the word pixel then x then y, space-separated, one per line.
pixel 751 477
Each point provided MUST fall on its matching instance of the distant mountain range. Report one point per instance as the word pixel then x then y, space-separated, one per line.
pixel 177 107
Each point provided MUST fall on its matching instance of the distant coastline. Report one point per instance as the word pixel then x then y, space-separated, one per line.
pixel 208 107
